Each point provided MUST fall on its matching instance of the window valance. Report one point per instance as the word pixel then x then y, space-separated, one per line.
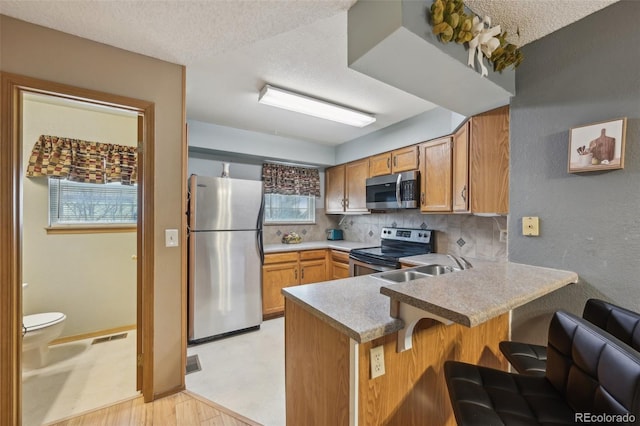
pixel 290 180
pixel 83 161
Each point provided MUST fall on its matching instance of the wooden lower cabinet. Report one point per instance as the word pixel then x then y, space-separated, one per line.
pixel 320 379
pixel 274 278
pixel 287 269
pixel 313 271
pixel 339 265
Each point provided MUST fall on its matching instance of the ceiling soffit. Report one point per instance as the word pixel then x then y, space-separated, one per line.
pixel 392 42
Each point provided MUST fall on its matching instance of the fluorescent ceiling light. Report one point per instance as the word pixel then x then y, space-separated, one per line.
pixel 285 99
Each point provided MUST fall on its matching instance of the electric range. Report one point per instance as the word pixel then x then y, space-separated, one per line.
pixel 395 244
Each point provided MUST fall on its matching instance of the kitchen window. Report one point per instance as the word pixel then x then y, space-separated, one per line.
pixel 279 208
pixel 75 203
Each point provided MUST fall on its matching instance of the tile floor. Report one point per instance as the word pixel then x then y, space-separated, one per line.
pixel 244 373
pixel 79 377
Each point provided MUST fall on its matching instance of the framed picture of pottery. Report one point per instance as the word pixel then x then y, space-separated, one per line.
pixel 597 146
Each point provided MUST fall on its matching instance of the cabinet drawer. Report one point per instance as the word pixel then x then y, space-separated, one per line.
pixel 289 256
pixel 340 256
pixel 313 254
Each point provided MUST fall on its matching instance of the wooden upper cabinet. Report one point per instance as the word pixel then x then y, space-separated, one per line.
pixel 461 169
pixel 489 162
pixel 355 181
pixel 404 159
pixel 380 165
pixel 345 187
pixel 435 193
pixel 400 160
pixel 334 195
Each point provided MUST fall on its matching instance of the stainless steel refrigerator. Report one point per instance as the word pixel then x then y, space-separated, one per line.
pixel 225 256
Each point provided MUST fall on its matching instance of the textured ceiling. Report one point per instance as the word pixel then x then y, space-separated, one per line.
pixel 534 19
pixel 231 48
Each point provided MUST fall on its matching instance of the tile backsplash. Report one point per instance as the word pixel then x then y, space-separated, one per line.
pixel 463 235
pixel 309 232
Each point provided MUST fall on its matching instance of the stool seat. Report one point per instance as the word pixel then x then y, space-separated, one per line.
pixel 527 358
pixel 588 371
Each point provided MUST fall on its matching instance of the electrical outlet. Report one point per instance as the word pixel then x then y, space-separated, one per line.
pixel 531 226
pixel 377 361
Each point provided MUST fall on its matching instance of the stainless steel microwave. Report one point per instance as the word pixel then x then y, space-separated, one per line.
pixel 395 191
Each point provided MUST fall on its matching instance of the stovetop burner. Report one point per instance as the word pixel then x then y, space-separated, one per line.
pixel 396 243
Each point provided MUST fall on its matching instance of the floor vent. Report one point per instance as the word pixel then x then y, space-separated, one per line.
pixel 193 364
pixel 109 338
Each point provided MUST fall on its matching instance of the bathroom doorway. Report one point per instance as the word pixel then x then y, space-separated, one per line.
pixel 12 163
pixel 78 259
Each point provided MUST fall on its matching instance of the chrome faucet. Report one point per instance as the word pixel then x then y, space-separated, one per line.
pixel 462 265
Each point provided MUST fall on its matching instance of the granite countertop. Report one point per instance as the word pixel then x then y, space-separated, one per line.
pixel 314 245
pixel 473 296
pixel 354 306
pixel 360 306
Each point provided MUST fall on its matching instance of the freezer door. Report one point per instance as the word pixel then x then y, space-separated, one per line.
pixel 225 203
pixel 225 284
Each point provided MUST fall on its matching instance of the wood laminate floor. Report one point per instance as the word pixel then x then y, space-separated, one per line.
pixel 183 408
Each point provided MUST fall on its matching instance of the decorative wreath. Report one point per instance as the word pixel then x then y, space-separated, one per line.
pixel 451 23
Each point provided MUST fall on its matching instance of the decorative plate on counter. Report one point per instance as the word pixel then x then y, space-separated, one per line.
pixel 291 238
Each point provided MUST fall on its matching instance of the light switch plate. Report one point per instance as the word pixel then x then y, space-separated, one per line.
pixel 171 238
pixel 531 226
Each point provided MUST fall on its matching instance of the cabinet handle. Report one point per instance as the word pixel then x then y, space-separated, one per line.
pixel 395 161
pixel 302 274
pixel 463 194
pixel 342 202
pixel 295 271
pixel 422 198
pixel 346 203
pixel 388 163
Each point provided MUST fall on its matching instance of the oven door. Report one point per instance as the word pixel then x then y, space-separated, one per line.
pixel 359 267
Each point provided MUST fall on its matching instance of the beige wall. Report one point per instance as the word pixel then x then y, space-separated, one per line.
pixel 89 277
pixel 50 55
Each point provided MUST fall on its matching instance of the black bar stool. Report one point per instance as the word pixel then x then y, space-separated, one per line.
pixel 624 324
pixel 589 373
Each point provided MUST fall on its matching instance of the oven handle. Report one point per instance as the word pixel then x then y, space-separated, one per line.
pixel 378 268
pixel 398 195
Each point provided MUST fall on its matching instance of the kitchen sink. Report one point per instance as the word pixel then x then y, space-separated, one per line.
pixel 435 269
pixel 401 276
pixel 404 275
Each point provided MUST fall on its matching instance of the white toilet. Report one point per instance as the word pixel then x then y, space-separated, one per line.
pixel 39 330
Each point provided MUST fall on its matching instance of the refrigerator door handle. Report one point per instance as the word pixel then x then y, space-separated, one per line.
pixel 259 226
pixel 260 246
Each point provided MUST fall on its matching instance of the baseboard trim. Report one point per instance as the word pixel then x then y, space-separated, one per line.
pixel 98 333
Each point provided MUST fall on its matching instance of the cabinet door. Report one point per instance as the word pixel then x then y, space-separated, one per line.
pixel 380 165
pixel 489 162
pixel 313 271
pixel 339 265
pixel 461 170
pixel 274 278
pixel 405 159
pixel 334 197
pixel 435 193
pixel 356 174
pixel 339 270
